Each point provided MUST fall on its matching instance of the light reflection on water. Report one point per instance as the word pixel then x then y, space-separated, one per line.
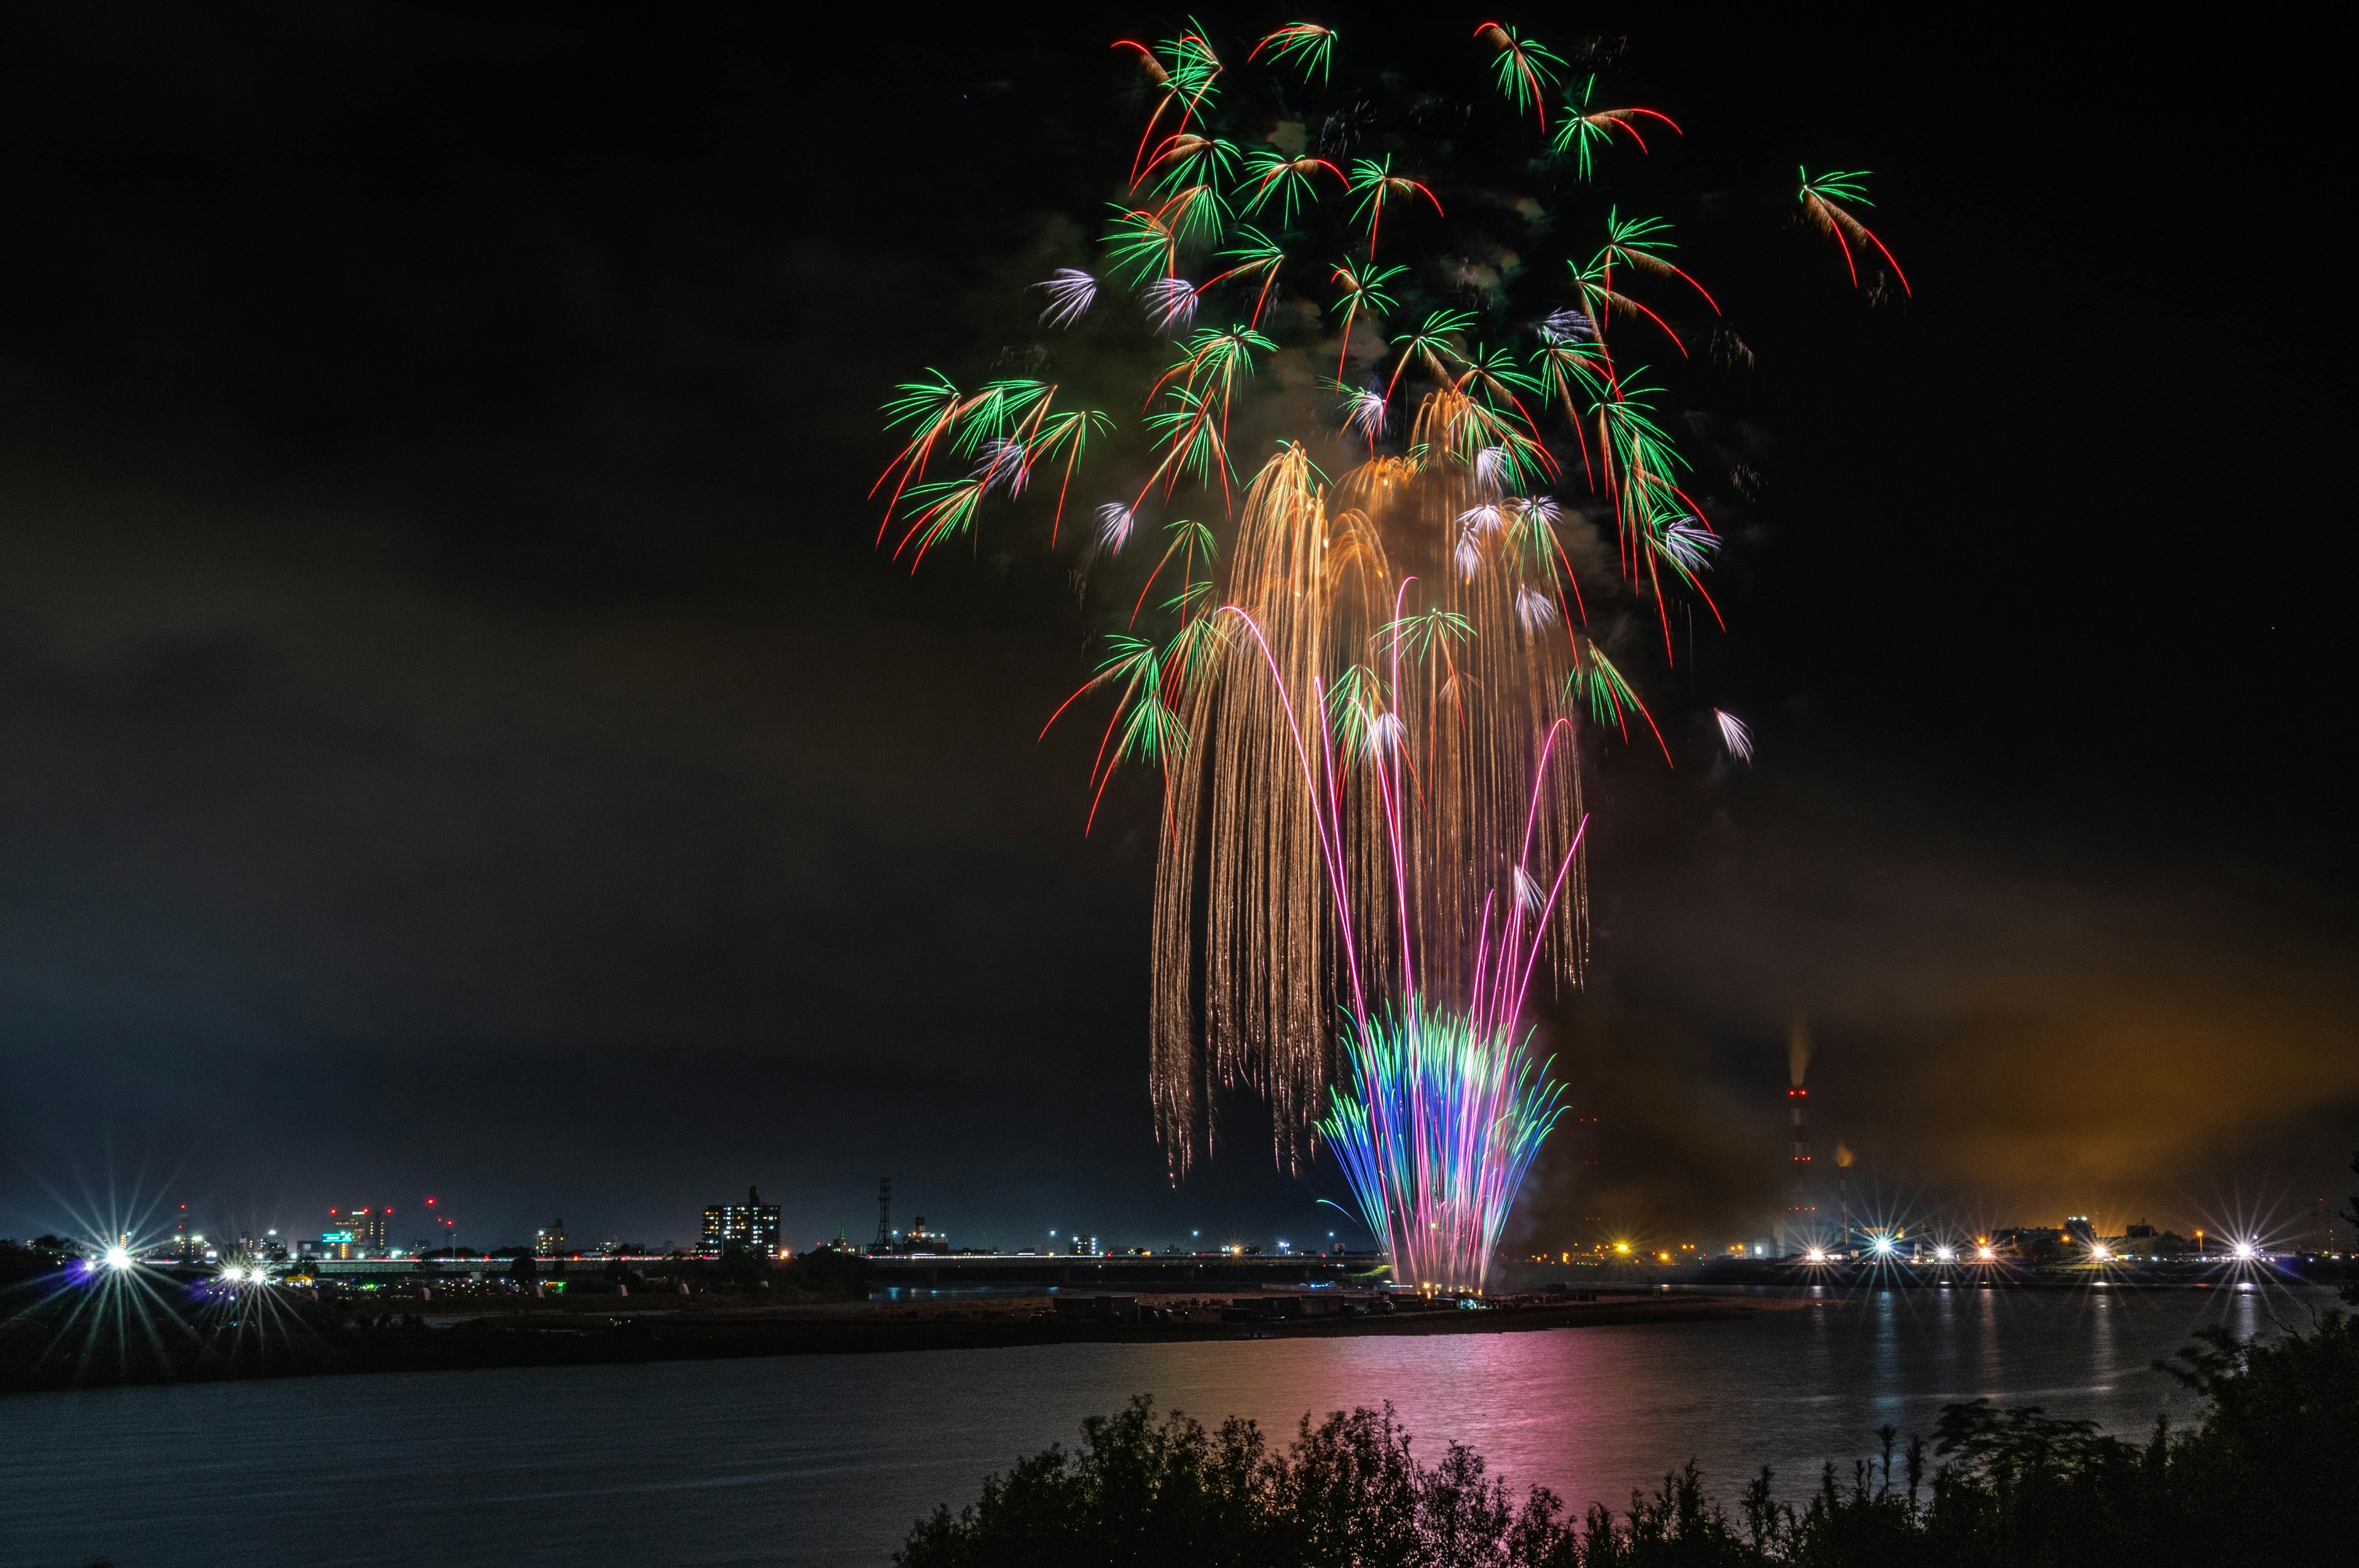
pixel 827 1459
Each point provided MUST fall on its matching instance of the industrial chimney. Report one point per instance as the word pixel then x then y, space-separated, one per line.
pixel 1801 1211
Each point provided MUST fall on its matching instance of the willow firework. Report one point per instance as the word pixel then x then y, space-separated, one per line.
pixel 1369 669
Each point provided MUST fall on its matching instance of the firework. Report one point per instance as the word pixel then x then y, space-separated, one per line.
pixel 1306 43
pixel 1526 68
pixel 1373 182
pixel 1735 735
pixel 1822 199
pixel 1171 303
pixel 1359 289
pixel 1585 127
pixel 1437 1188
pixel 1286 179
pixel 1071 292
pixel 1363 669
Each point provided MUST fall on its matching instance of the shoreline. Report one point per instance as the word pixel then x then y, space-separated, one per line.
pixel 540 1338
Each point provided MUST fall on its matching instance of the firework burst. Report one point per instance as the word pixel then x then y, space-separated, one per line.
pixel 1364 670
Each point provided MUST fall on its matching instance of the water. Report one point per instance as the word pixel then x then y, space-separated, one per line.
pixel 828 1459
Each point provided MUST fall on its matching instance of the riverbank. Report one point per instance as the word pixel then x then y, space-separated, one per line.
pixel 293 1338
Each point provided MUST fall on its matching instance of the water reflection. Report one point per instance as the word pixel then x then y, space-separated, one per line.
pixel 837 1454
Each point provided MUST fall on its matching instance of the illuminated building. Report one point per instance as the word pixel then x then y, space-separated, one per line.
pixel 752 1224
pixel 368 1232
pixel 548 1241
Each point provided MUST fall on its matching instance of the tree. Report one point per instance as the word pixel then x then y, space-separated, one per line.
pixel 836 1276
pixel 742 1268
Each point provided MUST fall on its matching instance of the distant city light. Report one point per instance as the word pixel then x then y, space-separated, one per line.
pixel 2101 1253
pixel 1817 1255
pixel 1985 1254
pixel 2245 1251
pixel 1945 1254
pixel 117 1258
pixel 1883 1245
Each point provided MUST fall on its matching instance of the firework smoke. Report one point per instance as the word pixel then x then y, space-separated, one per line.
pixel 1798 1049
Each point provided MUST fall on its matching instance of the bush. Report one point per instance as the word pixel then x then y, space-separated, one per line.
pixel 2271 1476
pixel 829 1274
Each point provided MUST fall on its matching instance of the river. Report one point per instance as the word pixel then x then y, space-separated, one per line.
pixel 828 1459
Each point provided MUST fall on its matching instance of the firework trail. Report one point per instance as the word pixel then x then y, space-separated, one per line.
pixel 1369 677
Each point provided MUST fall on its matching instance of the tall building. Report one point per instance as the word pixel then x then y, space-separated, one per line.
pixel 368 1232
pixel 548 1241
pixel 752 1224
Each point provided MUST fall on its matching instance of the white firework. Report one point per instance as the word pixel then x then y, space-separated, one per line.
pixel 1735 736
pixel 1542 508
pixel 1071 292
pixel 1689 544
pixel 1490 463
pixel 1115 523
pixel 1536 609
pixel 1568 326
pixel 1365 413
pixel 1003 464
pixel 1528 891
pixel 1172 304
pixel 1469 554
pixel 1482 519
pixel 1384 734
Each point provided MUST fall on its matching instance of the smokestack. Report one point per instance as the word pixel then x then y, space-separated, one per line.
pixel 1800 1212
pixel 1842 1189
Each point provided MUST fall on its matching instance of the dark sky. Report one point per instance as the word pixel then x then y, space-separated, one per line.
pixel 456 737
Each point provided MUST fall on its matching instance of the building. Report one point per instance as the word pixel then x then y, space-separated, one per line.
pixel 752 1224
pixel 920 1240
pixel 548 1241
pixel 367 1231
pixel 265 1248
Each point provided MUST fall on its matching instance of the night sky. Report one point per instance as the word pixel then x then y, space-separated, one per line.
pixel 457 736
